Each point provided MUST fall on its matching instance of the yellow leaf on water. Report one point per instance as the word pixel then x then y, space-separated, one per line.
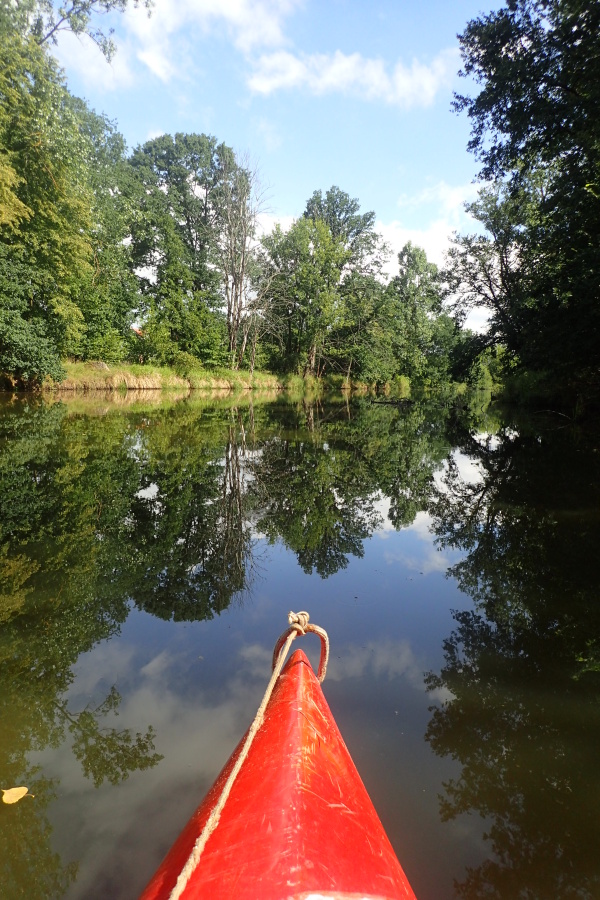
pixel 13 795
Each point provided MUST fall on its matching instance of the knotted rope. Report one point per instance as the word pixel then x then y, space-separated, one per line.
pixel 299 624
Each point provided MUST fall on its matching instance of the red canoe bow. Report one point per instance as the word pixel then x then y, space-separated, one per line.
pixel 298 822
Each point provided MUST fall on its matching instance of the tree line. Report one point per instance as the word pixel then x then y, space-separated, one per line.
pixel 155 255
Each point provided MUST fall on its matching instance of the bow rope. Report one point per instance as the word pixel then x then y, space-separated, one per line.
pixel 299 624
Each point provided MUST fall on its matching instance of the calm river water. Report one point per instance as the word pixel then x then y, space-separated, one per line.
pixel 149 554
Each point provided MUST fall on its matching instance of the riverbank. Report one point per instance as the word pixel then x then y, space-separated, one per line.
pixel 85 377
pixel 94 376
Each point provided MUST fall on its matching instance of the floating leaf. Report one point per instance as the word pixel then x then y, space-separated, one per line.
pixel 13 795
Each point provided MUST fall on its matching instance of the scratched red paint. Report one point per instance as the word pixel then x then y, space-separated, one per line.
pixel 298 821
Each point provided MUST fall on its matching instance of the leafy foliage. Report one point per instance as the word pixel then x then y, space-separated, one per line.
pixel 535 129
pixel 43 21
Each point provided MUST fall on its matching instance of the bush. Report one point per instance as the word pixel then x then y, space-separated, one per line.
pixel 184 363
pixel 108 347
pixel 26 351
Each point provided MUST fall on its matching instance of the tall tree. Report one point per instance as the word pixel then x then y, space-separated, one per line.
pixel 56 204
pixel 359 342
pixel 108 298
pixel 173 237
pixel 539 68
pixel 341 214
pixel 44 242
pixel 304 265
pixel 537 115
pixel 237 203
pixel 414 304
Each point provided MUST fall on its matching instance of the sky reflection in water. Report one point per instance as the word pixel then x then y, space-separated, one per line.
pixel 166 514
pixel 199 685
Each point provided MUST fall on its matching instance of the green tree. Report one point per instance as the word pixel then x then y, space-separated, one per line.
pixel 538 65
pixel 422 334
pixel 304 268
pixel 341 215
pixel 173 238
pixel 65 287
pixel 359 342
pixel 46 253
pixel 535 121
pixel 108 298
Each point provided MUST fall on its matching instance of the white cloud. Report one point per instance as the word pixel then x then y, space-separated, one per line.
pixel 81 55
pixel 404 86
pixel 470 471
pixel 270 135
pixel 433 238
pixel 249 24
pixel 384 659
pixel 154 133
pixel 448 202
pixel 166 41
pixel 450 199
pixel 267 222
pixel 423 559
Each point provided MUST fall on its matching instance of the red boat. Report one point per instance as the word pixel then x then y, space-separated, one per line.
pixel 297 823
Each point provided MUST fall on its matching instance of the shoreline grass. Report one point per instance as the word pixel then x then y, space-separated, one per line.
pixel 86 377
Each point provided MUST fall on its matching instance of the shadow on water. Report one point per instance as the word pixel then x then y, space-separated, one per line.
pixel 168 508
pixel 523 666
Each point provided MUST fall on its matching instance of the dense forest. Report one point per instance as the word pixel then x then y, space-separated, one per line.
pixel 155 255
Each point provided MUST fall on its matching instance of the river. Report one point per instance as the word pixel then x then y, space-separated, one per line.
pixel 150 551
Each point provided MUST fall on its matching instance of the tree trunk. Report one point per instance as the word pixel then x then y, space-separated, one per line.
pixel 253 354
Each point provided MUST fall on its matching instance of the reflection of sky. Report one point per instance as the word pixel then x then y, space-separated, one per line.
pixel 199 685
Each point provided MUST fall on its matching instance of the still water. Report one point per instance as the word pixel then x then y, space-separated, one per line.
pixel 149 554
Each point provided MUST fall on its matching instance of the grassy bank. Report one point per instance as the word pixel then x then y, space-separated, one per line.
pixel 91 376
pixel 84 377
pixel 133 381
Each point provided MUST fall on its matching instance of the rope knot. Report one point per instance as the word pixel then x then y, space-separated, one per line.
pixel 298 621
pixel 299 625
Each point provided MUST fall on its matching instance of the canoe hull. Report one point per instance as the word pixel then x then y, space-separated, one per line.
pixel 298 822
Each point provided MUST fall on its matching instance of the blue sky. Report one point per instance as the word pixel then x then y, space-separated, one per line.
pixel 341 92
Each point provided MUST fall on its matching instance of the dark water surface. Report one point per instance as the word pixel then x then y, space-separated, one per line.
pixel 149 555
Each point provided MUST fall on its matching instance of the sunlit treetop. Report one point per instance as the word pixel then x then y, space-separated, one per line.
pixel 538 66
pixel 44 19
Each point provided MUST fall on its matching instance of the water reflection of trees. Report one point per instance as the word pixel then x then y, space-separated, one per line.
pixel 161 507
pixel 190 539
pixel 523 667
pixel 318 489
pixel 58 494
pixel 309 497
